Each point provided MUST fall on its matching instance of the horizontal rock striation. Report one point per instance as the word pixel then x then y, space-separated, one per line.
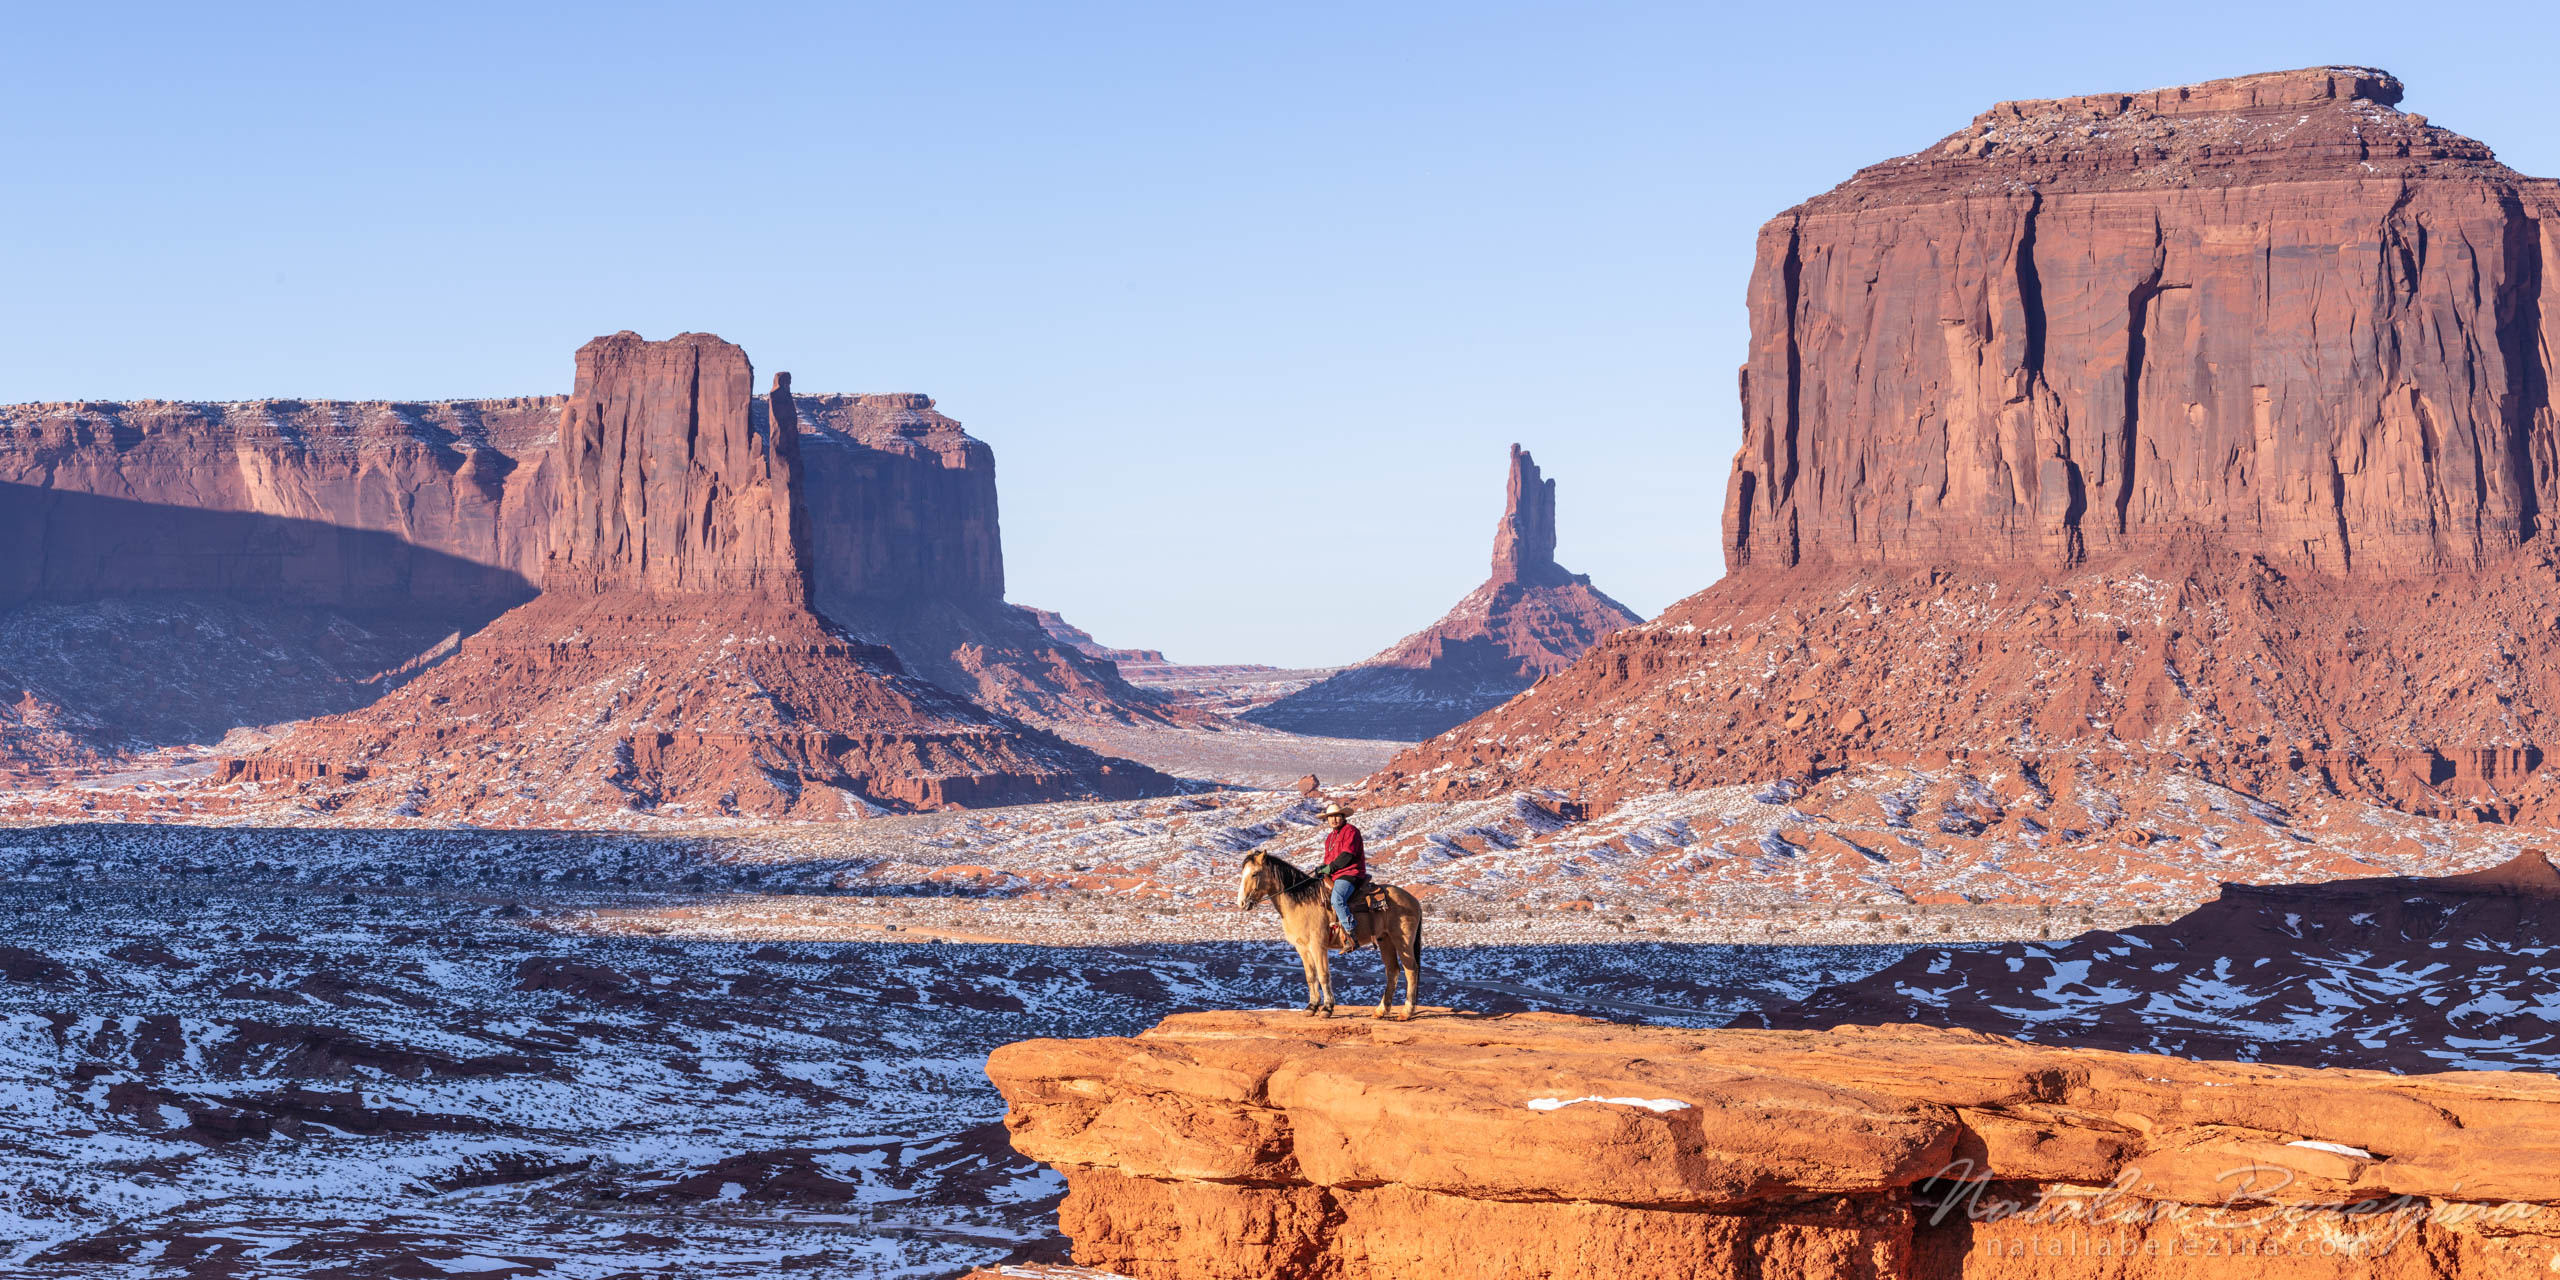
pixel 1221 1146
pixel 176 571
pixel 593 705
pixel 114 498
pixel 2430 697
pixel 2276 310
pixel 1083 642
pixel 1530 619
pixel 902 500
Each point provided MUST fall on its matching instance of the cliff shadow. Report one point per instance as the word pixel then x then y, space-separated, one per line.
pixel 146 625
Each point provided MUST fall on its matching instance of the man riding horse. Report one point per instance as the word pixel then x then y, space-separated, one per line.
pixel 1345 869
pixel 1316 913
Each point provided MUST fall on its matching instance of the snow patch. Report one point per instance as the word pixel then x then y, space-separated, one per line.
pixel 1649 1104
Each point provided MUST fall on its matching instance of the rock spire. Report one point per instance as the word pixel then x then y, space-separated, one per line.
pixel 1530 618
pixel 1524 543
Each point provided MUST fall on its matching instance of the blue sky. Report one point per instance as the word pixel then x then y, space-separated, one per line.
pixel 1249 299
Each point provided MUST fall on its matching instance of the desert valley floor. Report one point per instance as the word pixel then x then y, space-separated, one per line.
pixel 249 1049
pixel 230 1072
pixel 628 830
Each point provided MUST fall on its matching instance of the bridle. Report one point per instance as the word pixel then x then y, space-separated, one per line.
pixel 1258 890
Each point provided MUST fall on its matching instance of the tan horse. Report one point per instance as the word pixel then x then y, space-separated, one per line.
pixel 1394 926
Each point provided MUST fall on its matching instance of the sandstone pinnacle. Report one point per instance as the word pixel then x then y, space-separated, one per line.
pixel 1530 618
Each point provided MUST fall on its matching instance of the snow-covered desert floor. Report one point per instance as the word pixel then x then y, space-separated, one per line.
pixel 293 1047
pixel 234 1067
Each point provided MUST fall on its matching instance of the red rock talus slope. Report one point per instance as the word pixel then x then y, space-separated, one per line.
pixel 1222 1146
pixel 2408 974
pixel 1531 618
pixel 2207 423
pixel 2427 694
pixel 672 664
pixel 38 735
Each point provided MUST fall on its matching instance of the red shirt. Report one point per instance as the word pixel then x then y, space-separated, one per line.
pixel 1345 854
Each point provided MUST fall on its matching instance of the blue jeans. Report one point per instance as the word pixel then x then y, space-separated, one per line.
pixel 1342 891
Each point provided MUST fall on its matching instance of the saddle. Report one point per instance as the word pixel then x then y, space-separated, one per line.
pixel 1366 905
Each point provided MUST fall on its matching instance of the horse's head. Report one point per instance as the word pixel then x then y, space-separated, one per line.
pixel 1254 884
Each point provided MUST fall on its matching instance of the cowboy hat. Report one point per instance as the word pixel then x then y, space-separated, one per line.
pixel 1334 811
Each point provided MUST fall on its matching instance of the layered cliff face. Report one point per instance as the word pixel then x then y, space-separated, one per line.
pixel 180 570
pixel 2208 425
pixel 902 501
pixel 360 537
pixel 2411 974
pixel 673 664
pixel 2275 310
pixel 1221 1146
pixel 1531 618
pixel 676 479
pixel 345 503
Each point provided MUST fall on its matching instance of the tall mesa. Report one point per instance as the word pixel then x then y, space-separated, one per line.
pixel 2275 310
pixel 673 665
pixel 2208 424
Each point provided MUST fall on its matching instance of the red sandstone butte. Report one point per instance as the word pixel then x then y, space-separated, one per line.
pixel 2208 425
pixel 1531 618
pixel 2275 309
pixel 165 553
pixel 1236 1146
pixel 673 664
pixel 675 479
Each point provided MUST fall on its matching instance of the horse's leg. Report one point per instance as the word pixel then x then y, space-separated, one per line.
pixel 1324 977
pixel 1307 970
pixel 1412 963
pixel 1387 966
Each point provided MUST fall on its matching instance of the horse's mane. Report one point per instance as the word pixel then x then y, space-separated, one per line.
pixel 1294 883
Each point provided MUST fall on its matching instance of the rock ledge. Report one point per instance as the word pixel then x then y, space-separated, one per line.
pixel 1262 1143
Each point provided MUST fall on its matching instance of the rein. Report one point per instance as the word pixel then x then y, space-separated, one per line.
pixel 1295 885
